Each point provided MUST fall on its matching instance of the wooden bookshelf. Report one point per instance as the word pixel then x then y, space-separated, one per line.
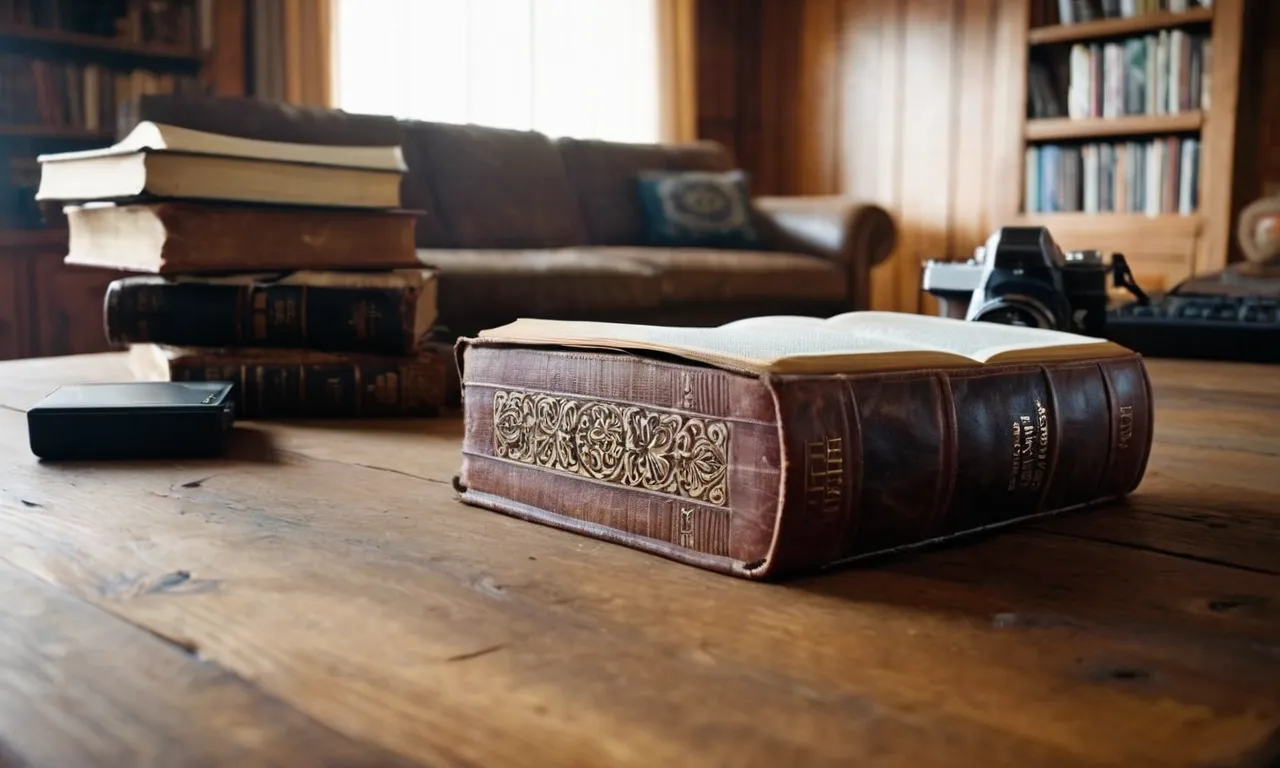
pixel 26 238
pixel 11 33
pixel 1093 30
pixel 1170 245
pixel 46 307
pixel 1068 129
pixel 56 132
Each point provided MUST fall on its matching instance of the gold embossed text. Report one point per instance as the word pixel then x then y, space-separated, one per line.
pixel 1126 426
pixel 824 475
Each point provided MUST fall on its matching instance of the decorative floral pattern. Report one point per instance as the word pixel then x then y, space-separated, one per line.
pixel 621 444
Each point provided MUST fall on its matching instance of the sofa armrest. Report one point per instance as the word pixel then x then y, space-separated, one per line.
pixel 857 236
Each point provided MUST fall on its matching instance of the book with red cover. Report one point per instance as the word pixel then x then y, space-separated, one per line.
pixel 783 445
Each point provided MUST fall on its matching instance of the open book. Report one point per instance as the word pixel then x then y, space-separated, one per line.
pixel 854 342
pixel 157 160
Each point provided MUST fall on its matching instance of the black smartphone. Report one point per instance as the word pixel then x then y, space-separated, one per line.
pixel 137 419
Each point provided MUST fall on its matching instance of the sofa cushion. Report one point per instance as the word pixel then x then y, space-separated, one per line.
pixel 497 188
pixel 539 283
pixel 711 275
pixel 603 174
pixel 697 209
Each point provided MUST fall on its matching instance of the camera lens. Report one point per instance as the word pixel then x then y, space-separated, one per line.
pixel 1015 310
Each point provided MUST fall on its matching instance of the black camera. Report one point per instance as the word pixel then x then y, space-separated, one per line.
pixel 1021 277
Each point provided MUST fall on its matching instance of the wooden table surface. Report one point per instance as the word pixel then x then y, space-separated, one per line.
pixel 320 598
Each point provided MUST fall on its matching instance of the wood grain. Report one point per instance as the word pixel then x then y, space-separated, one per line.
pixel 1092 30
pixel 975 63
pixel 15 288
pixel 818 114
pixel 225 70
pixel 1268 128
pixel 68 302
pixel 331 566
pixel 1066 128
pixel 81 688
pixel 1218 205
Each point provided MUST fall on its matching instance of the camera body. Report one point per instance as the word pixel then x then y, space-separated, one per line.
pixel 1021 277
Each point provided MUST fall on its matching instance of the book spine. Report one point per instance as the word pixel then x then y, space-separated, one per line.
pixel 883 462
pixel 339 319
pixel 364 388
pixel 762 477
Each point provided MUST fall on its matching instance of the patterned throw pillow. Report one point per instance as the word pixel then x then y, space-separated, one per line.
pixel 697 209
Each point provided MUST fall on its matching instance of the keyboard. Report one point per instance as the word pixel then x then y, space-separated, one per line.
pixel 1244 329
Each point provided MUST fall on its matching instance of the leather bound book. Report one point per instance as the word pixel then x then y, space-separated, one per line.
pixel 775 446
pixel 194 238
pixel 371 312
pixel 287 383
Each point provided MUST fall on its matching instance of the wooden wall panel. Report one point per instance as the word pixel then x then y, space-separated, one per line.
pixel 974 62
pixel 225 70
pixel 928 164
pixel 1218 203
pixel 1266 70
pixel 68 301
pixel 888 101
pixel 870 135
pixel 15 287
pixel 816 115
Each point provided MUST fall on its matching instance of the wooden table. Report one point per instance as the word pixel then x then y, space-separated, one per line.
pixel 321 598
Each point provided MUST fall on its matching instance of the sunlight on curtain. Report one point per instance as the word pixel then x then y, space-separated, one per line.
pixel 586 68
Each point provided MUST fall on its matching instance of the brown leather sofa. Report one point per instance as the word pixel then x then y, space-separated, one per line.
pixel 523 225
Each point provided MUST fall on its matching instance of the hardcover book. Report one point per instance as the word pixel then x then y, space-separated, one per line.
pixel 193 238
pixel 157 160
pixel 386 312
pixel 780 445
pixel 296 383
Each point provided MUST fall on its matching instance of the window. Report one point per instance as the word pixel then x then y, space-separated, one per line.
pixel 584 68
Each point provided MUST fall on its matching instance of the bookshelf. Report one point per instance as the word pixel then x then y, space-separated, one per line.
pixel 68 67
pixel 1122 27
pixel 94 58
pixel 25 36
pixel 1114 106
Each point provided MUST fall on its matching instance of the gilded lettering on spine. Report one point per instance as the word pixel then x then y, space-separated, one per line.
pixel 1030 435
pixel 624 445
pixel 824 475
pixel 1126 426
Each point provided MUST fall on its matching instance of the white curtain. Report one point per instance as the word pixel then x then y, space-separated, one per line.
pixel 584 68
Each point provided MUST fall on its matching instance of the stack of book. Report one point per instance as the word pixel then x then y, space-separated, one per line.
pixel 285 268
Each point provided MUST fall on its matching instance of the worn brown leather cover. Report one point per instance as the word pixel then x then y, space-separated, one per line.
pixel 177 237
pixel 303 383
pixel 324 311
pixel 764 476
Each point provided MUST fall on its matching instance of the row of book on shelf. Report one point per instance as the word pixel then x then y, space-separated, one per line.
pixel 1151 177
pixel 73 95
pixel 1158 74
pixel 1050 12
pixel 179 23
